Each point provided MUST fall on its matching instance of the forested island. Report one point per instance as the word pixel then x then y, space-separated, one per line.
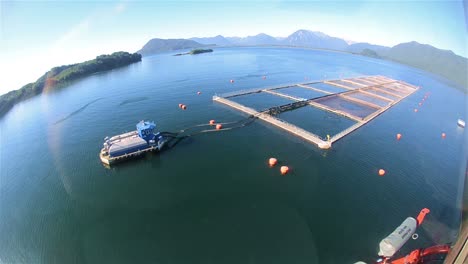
pixel 370 53
pixel 194 52
pixel 198 51
pixel 59 76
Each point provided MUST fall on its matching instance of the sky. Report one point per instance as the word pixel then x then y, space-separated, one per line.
pixel 38 35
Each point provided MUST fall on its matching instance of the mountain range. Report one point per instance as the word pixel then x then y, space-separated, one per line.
pixel 423 56
pixel 157 45
pixel 305 38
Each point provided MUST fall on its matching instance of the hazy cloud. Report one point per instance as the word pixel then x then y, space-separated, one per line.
pixel 120 7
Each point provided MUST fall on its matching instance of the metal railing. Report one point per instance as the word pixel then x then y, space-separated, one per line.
pixel 240 92
pixel 297 130
pixel 346 131
pixel 299 99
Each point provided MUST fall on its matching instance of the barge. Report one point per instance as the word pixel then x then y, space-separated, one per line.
pixel 133 144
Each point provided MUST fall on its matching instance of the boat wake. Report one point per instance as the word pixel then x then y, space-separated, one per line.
pixel 76 111
pixel 133 100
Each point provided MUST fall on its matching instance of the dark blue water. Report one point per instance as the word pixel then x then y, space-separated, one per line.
pixel 212 198
pixel 328 87
pixel 261 101
pixel 355 109
pixel 369 98
pixel 319 122
pixel 300 92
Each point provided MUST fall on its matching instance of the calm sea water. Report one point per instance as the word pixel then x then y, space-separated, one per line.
pixel 212 198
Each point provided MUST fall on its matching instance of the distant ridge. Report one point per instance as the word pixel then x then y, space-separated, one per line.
pixel 360 46
pixel 426 57
pixel 307 38
pixel 259 39
pixel 218 40
pixel 303 38
pixel 157 45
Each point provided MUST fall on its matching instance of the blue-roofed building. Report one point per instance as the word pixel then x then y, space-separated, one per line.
pixel 146 130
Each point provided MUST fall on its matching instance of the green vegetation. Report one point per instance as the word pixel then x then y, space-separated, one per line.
pixel 441 62
pixel 60 76
pixel 370 53
pixel 194 52
pixel 198 51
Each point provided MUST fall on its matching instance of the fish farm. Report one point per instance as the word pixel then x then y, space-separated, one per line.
pixel 359 99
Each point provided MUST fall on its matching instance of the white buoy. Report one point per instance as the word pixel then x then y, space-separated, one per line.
pixel 461 123
pixel 393 242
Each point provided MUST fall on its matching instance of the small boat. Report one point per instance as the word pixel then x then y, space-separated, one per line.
pixel 461 123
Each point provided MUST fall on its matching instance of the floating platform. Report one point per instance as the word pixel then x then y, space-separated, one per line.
pixel 132 144
pixel 360 99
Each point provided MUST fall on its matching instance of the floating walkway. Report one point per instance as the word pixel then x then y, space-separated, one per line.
pixel 363 99
pixel 277 122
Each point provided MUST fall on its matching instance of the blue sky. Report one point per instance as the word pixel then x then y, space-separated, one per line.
pixel 37 35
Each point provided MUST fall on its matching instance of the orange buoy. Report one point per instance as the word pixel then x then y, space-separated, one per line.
pixel 415 110
pixel 180 105
pixel 398 136
pixel 219 126
pixel 198 93
pixel 284 170
pixel 232 81
pixel 263 77
pixel 381 172
pixel 212 122
pixel 443 135
pixel 272 162
pixel 184 107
